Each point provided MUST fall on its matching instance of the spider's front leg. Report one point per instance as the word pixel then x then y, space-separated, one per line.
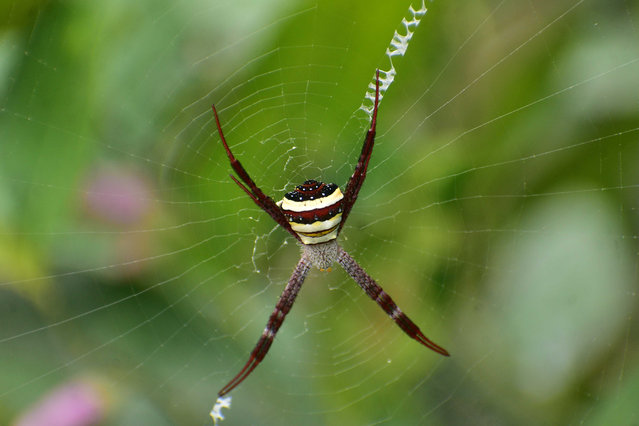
pixel 284 305
pixel 376 293
pixel 262 200
pixel 359 174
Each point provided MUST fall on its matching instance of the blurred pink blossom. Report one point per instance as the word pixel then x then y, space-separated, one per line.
pixel 72 404
pixel 117 196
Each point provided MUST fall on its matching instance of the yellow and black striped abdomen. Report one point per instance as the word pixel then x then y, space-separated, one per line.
pixel 314 211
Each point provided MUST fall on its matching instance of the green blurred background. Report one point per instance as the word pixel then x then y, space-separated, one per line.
pixel 500 211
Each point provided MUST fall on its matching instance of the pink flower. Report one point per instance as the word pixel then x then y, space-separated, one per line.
pixel 72 404
pixel 117 196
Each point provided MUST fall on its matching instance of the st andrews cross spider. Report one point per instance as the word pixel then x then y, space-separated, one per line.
pixel 315 213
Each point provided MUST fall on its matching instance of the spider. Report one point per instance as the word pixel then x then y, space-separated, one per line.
pixel 315 213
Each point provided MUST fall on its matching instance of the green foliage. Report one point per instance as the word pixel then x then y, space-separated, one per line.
pixel 499 210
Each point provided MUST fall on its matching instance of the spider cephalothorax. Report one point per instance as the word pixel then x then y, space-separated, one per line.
pixel 315 213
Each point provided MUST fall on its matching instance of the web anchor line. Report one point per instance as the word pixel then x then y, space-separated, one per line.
pixel 397 47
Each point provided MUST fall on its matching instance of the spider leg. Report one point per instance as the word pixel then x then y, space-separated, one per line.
pixel 384 301
pixel 262 200
pixel 284 305
pixel 359 174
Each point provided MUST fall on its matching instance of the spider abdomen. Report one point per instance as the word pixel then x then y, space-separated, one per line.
pixel 314 211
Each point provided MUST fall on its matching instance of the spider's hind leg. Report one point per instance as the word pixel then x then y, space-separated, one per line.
pixel 382 298
pixel 284 305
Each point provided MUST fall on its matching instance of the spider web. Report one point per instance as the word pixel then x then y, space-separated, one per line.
pixel 499 211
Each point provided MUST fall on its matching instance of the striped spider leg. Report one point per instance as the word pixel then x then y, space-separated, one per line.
pixel 314 213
